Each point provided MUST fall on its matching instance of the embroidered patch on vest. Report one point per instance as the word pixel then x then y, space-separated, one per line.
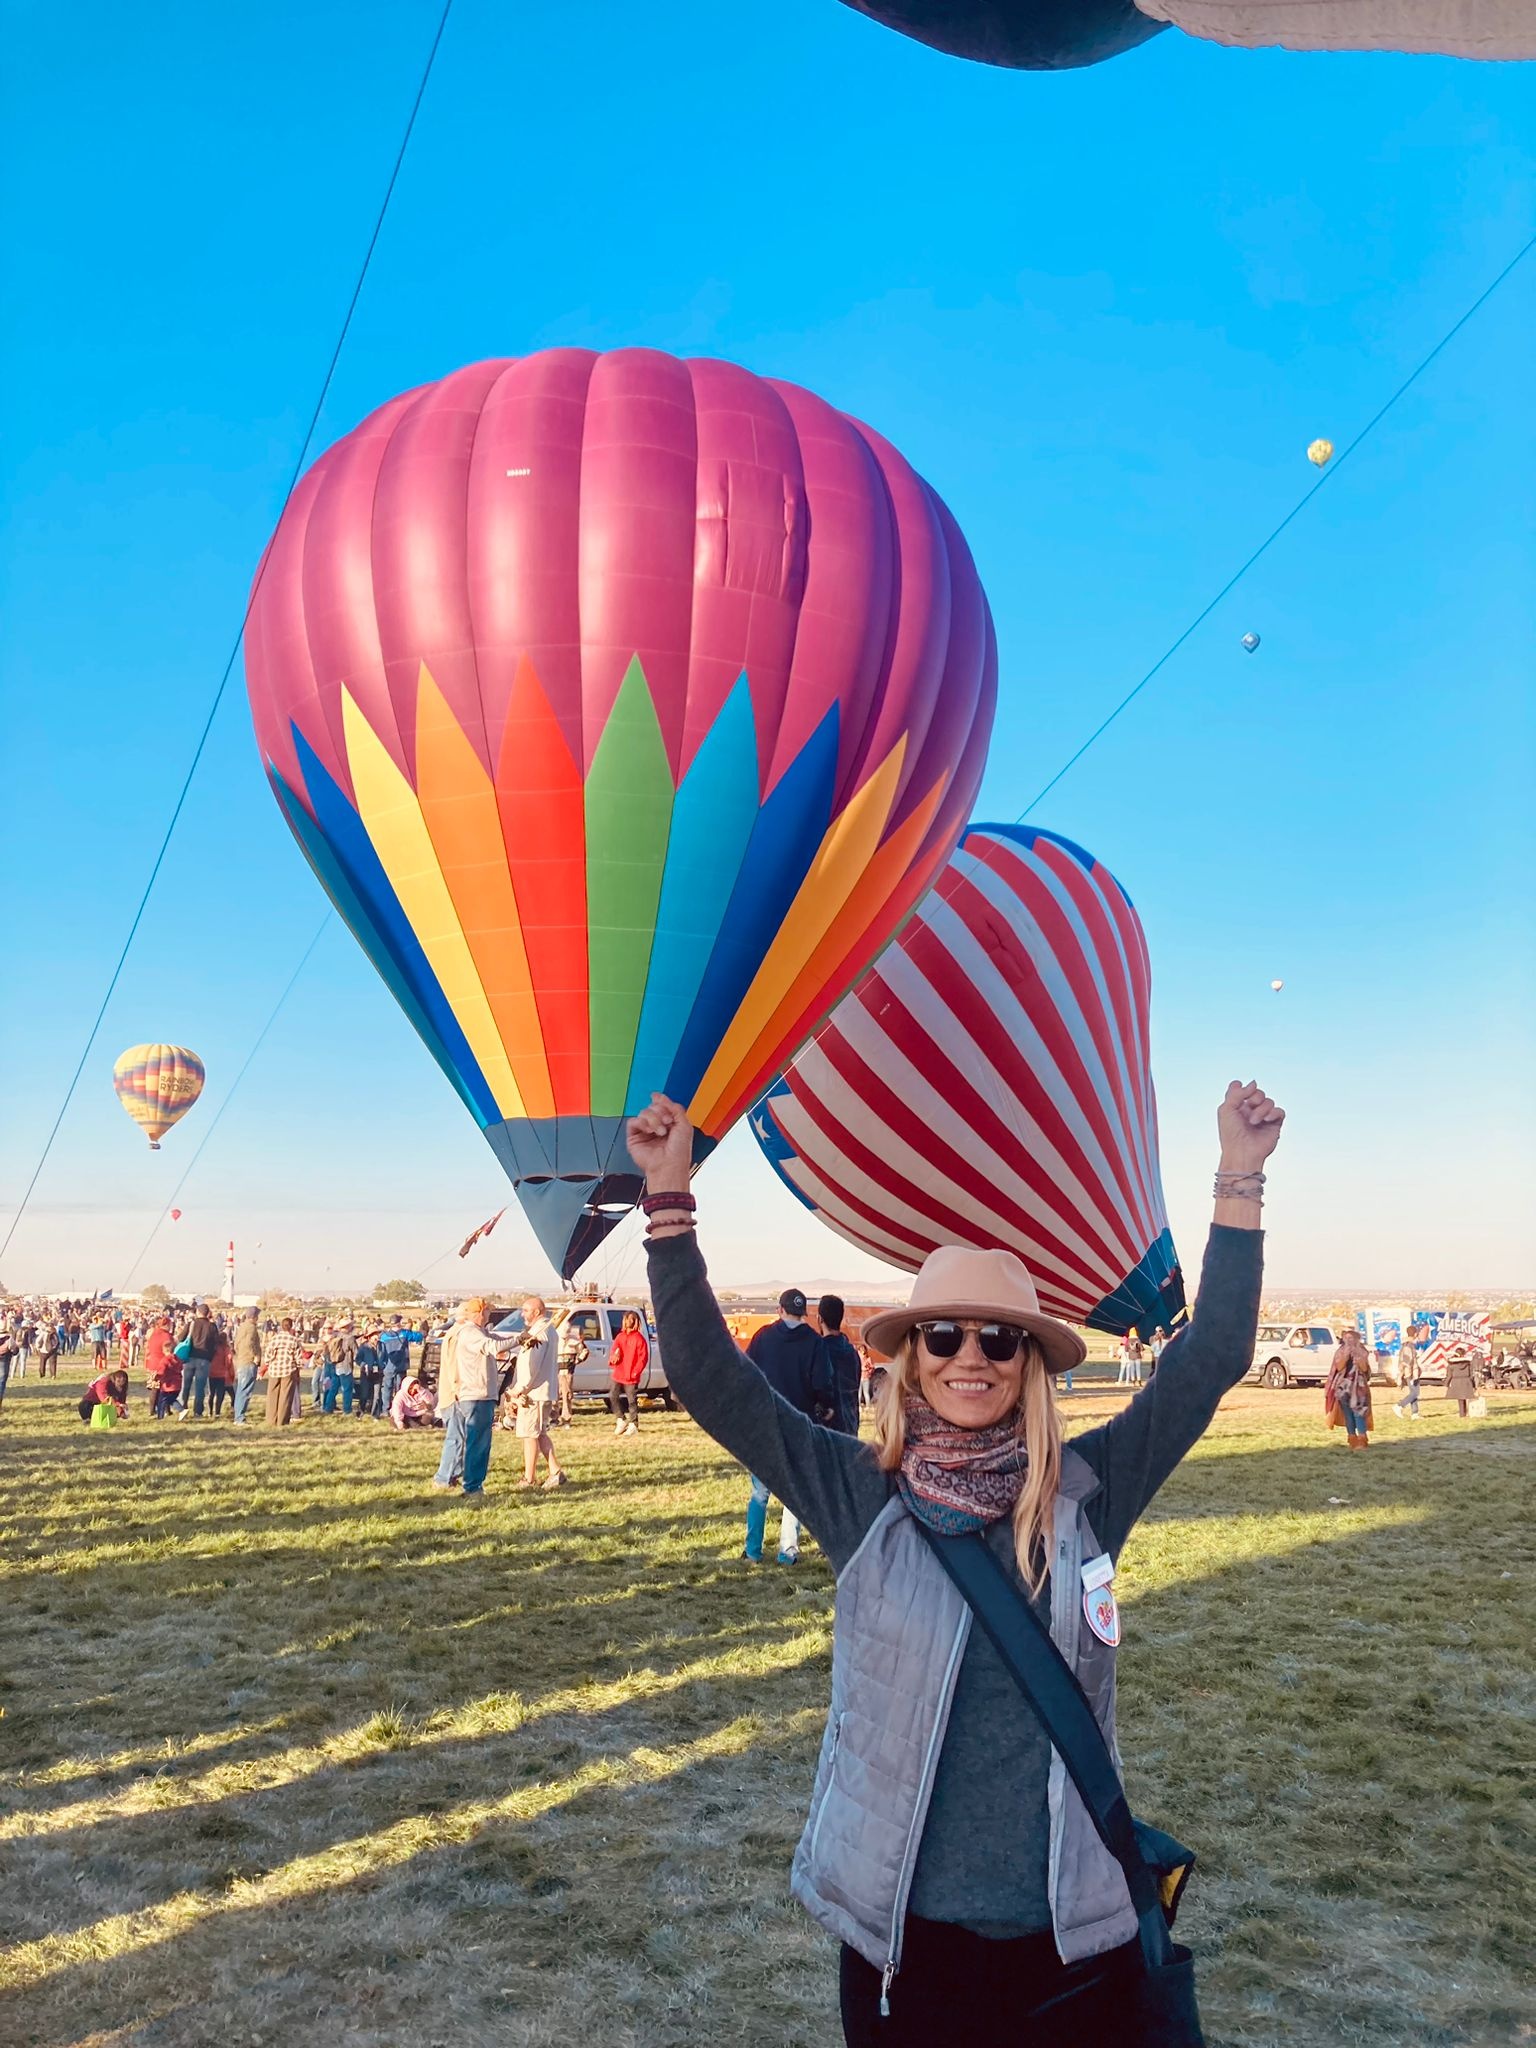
pixel 1102 1614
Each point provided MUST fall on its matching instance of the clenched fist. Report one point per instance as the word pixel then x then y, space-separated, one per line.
pixel 1249 1122
pixel 661 1145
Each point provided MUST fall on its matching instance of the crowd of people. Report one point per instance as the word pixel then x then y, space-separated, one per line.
pixel 197 1360
pixel 202 1361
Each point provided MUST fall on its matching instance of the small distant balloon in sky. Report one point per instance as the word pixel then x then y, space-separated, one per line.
pixel 1251 642
pixel 175 1215
pixel 1277 986
pixel 157 1085
pixel 1320 453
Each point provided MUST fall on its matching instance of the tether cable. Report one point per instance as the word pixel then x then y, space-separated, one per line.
pixel 229 666
pixel 1268 542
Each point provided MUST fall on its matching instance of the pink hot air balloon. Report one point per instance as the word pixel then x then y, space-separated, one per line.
pixel 987 1084
pixel 625 707
pixel 175 1215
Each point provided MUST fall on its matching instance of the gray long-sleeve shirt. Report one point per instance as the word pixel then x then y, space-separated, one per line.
pixel 982 1861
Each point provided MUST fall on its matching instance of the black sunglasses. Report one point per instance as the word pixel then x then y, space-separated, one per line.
pixel 999 1341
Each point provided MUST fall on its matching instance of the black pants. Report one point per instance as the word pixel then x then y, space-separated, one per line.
pixel 961 1990
pixel 623 1401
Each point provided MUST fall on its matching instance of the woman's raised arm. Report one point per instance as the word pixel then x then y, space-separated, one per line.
pixel 829 1480
pixel 1136 1450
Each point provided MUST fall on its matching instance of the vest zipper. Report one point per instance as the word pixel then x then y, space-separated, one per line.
pixel 821 1811
pixel 909 1860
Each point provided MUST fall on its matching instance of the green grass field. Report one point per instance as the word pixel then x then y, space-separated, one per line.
pixel 294 1752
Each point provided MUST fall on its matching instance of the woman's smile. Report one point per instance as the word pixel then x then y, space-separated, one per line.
pixel 969 1390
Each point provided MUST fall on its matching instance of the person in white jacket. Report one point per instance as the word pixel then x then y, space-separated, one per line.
pixel 533 1390
pixel 469 1374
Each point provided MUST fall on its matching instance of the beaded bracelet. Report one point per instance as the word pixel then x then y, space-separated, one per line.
pixel 665 1225
pixel 1239 1187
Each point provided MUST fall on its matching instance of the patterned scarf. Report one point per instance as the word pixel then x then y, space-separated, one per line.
pixel 958 1480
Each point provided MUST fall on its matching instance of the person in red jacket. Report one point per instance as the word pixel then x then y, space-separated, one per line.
pixel 162 1367
pixel 111 1387
pixel 627 1359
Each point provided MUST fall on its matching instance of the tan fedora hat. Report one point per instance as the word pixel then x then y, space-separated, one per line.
pixel 957 1285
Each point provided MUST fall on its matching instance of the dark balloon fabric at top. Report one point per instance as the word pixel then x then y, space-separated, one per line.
pixel 624 706
pixel 1058 35
pixel 988 1084
pixel 1023 35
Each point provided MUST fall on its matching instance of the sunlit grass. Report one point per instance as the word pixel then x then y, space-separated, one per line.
pixel 293 1750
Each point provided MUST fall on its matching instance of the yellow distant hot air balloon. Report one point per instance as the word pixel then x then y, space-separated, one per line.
pixel 1319 453
pixel 157 1085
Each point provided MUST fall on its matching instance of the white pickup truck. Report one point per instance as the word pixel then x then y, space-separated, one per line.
pixel 592 1326
pixel 589 1326
pixel 1292 1354
pixel 583 1325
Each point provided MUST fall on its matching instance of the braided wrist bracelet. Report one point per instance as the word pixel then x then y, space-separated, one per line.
pixel 668 1212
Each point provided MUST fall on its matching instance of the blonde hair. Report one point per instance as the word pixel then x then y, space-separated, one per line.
pixel 1037 1426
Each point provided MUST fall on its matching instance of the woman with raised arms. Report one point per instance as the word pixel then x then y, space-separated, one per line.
pixel 945 1848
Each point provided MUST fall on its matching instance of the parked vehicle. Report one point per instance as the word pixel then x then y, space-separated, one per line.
pixel 1514 1371
pixel 595 1324
pixel 1292 1354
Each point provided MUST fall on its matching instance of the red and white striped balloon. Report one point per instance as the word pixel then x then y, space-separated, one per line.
pixel 987 1083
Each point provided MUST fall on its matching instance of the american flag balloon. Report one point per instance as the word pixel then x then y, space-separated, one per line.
pixel 987 1083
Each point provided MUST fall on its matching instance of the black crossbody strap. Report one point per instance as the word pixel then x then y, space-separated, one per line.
pixel 1049 1684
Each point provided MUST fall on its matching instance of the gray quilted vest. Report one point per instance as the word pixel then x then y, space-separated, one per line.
pixel 901 1631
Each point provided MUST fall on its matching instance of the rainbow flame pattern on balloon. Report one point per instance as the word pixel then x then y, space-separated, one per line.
pixel 688 946
pixel 624 707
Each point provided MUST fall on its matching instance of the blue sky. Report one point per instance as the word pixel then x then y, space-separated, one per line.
pixel 1104 312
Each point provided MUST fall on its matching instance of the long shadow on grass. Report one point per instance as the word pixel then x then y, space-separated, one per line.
pixel 512 1889
pixel 107 1864
pixel 286 1617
